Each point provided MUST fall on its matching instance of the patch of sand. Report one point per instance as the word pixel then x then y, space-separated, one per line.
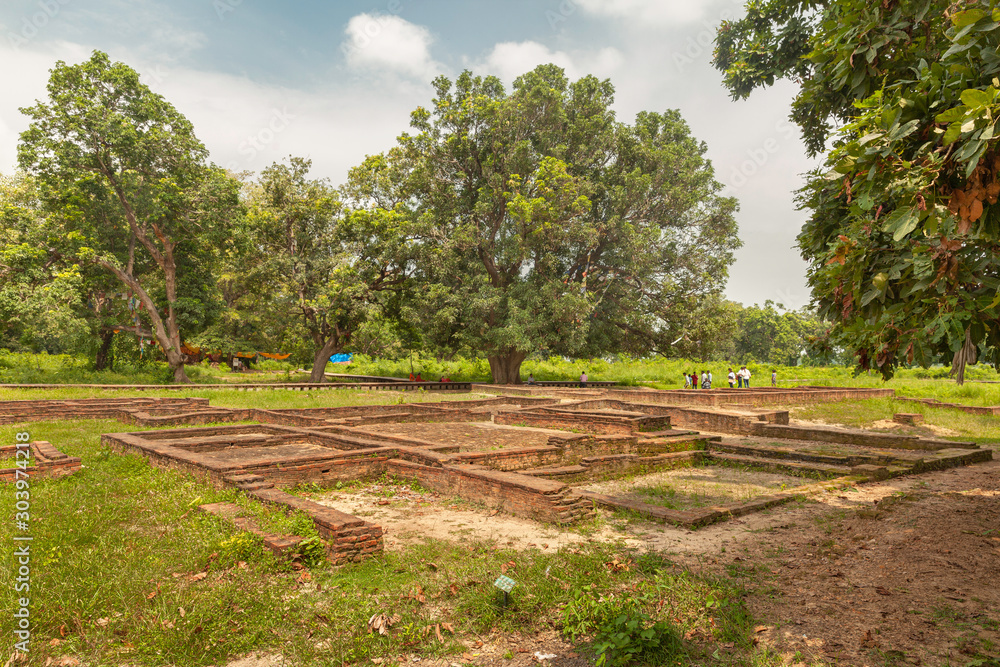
pixel 409 516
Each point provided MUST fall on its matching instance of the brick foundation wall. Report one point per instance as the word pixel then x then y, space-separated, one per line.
pixel 608 425
pixel 514 459
pixel 14 412
pixel 538 499
pixel 48 463
pixel 349 538
pixel 861 438
pixel 970 409
pixel 326 472
pixel 754 396
pixel 620 464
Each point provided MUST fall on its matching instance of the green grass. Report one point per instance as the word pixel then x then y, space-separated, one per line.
pixel 274 399
pixel 22 368
pixel 863 414
pixel 119 550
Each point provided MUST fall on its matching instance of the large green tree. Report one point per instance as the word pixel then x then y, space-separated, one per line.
pixel 331 268
pixel 124 176
pixel 769 333
pixel 544 223
pixel 903 239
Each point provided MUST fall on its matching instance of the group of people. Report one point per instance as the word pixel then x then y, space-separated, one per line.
pixel 738 379
pixel 691 381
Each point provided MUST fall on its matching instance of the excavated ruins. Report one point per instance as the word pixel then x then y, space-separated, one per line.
pixel 534 452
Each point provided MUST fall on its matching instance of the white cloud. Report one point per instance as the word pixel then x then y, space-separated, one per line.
pixel 509 60
pixel 645 11
pixel 387 42
pixel 246 125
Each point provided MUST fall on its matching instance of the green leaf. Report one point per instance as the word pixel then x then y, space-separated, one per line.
pixel 976 99
pixel 901 222
pixel 968 17
pixel 951 115
pixel 953 132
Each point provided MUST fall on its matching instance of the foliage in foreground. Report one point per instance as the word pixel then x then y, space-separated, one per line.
pixel 904 235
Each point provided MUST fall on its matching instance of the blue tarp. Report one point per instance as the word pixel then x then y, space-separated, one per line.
pixel 342 358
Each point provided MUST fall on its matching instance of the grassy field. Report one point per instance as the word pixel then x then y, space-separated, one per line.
pixel 656 372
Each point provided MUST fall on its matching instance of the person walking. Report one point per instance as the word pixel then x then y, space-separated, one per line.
pixel 746 377
pixel 732 378
pixel 739 377
pixel 687 380
pixel 774 377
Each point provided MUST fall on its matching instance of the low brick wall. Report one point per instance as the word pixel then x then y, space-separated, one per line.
pixel 15 412
pixel 855 437
pixel 589 423
pixel 450 387
pixel 324 471
pixel 349 538
pixel 48 463
pixel 614 404
pixel 622 464
pixel 970 409
pixel 697 518
pixel 715 421
pixel 213 416
pixel 513 459
pixel 521 495
pixel 753 396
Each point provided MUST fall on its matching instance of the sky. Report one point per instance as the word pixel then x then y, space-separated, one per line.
pixel 336 81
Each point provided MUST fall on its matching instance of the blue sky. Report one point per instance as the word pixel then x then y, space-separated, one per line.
pixel 335 81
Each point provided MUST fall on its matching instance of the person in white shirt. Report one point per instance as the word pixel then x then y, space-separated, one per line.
pixel 746 376
pixel 732 378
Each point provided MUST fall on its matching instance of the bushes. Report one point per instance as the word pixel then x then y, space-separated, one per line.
pixel 622 633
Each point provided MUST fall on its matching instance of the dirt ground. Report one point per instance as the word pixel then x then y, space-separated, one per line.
pixel 692 487
pixel 470 436
pixel 901 572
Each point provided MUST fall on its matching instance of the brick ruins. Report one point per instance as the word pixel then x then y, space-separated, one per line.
pixel 529 451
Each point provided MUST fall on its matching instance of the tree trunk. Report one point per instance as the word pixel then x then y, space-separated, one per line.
pixel 966 355
pixel 104 361
pixel 322 358
pixel 179 374
pixel 506 368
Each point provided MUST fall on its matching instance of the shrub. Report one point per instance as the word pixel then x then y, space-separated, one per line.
pixel 622 633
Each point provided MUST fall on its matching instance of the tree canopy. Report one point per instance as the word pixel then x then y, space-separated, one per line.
pixel 329 268
pixel 903 239
pixel 543 223
pixel 126 181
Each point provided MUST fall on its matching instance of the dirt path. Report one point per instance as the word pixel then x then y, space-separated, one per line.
pixel 903 572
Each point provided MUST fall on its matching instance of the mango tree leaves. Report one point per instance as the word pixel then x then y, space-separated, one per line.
pixel 904 234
